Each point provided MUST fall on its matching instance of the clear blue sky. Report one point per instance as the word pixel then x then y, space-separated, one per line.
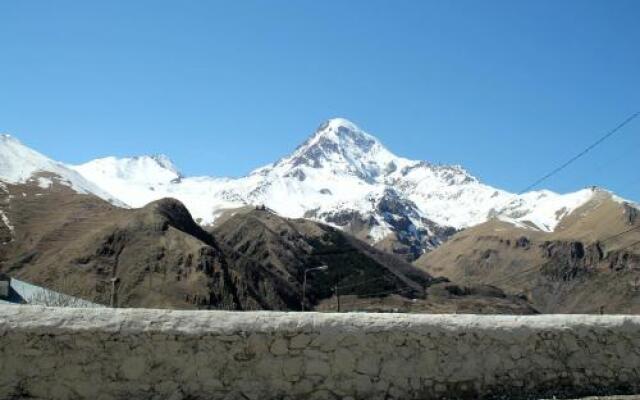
pixel 509 89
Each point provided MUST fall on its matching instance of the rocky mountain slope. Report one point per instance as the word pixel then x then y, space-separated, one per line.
pixel 344 177
pixel 589 264
pixel 363 277
pixel 78 243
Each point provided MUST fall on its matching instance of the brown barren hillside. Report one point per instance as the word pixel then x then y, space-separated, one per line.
pixel 590 264
pixel 77 244
pixel 366 278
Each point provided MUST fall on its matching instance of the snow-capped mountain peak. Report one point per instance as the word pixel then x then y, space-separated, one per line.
pixel 142 170
pixel 343 134
pixel 20 164
pixel 341 147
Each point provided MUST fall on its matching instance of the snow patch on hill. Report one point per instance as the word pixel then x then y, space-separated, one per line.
pixel 544 209
pixel 5 220
pixel 19 164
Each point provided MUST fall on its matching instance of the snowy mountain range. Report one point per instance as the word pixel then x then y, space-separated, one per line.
pixel 341 175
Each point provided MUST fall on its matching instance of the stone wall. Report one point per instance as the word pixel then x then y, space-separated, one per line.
pixel 139 354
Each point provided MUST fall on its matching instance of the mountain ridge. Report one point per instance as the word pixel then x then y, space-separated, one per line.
pixel 343 176
pixel 20 164
pixel 589 264
pixel 157 256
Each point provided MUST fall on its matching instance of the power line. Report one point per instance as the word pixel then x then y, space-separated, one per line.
pixel 502 279
pixel 386 292
pixel 635 228
pixel 630 246
pixel 365 282
pixel 367 296
pixel 605 165
pixel 517 274
pixel 582 153
pixel 354 285
pixel 369 299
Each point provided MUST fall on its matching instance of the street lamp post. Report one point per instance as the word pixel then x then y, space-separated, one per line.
pixel 304 281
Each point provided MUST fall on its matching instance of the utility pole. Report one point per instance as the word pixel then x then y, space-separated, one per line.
pixel 304 290
pixel 304 282
pixel 113 302
pixel 337 291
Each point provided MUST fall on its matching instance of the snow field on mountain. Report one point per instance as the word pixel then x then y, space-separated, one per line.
pixel 19 163
pixel 340 170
